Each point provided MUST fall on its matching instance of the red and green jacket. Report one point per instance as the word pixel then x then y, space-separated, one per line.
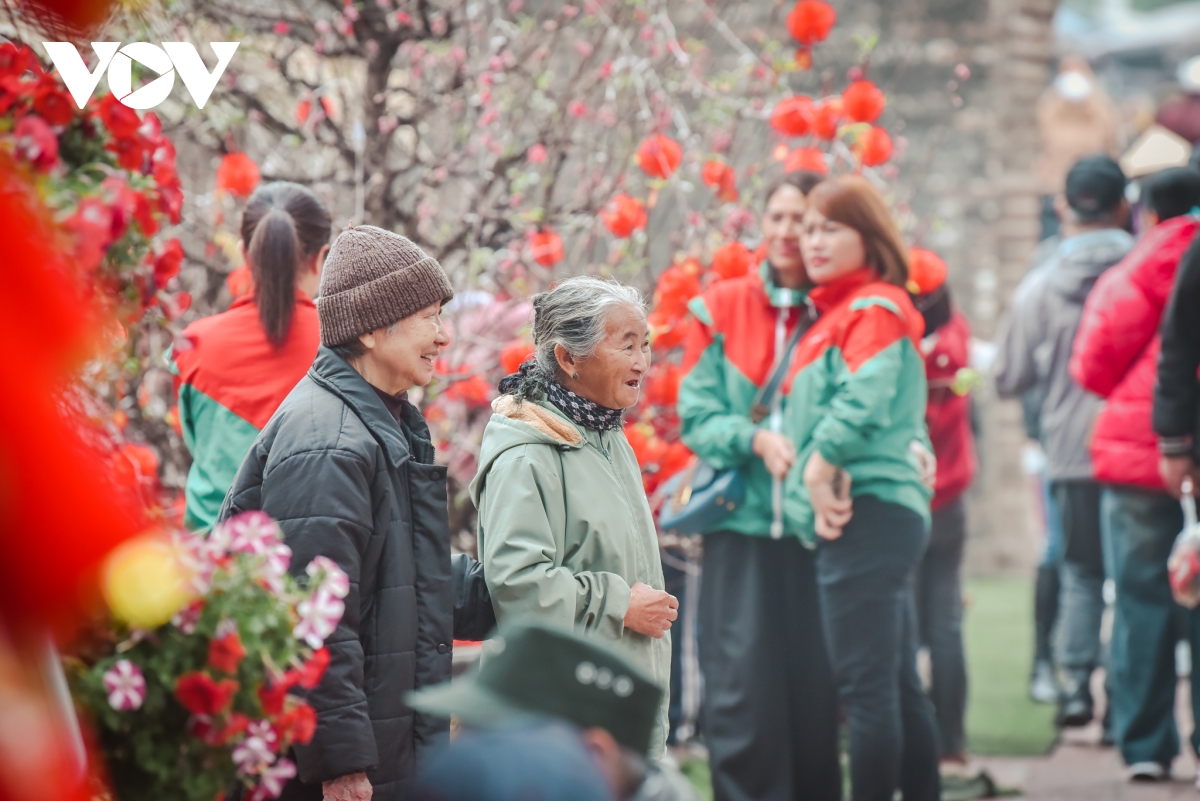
pixel 855 390
pixel 230 380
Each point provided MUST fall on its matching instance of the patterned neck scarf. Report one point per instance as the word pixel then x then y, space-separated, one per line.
pixel 581 410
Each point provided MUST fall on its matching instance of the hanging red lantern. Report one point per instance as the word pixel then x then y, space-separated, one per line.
pixel 926 271
pixel 810 21
pixel 676 286
pixel 722 179
pixel 809 159
pixel 237 175
pixel 863 101
pixel 546 247
pixel 793 116
pixel 623 215
pixel 659 156
pixel 827 116
pixel 514 354
pixel 874 147
pixel 732 260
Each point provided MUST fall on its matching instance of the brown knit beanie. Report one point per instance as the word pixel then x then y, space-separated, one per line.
pixel 372 279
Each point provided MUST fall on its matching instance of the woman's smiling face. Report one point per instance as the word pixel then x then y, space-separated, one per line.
pixel 612 376
pixel 831 249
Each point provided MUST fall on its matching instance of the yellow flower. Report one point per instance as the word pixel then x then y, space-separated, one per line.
pixel 144 582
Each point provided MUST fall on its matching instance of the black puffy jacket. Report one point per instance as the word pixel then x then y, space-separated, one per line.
pixel 345 481
pixel 1177 396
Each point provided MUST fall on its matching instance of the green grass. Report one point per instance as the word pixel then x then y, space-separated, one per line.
pixel 998 634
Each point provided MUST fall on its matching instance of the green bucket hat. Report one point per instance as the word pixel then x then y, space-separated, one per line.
pixel 538 671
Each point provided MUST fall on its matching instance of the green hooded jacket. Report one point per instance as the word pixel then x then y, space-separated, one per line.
pixel 565 530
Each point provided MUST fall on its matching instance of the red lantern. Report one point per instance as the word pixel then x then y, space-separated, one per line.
pixel 546 247
pixel 514 354
pixel 722 179
pixel 810 21
pixel 676 286
pixel 827 116
pixel 659 156
pixel 926 271
pixel 732 260
pixel 863 101
pixel 666 329
pixel 793 116
pixel 237 175
pixel 623 215
pixel 662 388
pixel 874 147
pixel 809 159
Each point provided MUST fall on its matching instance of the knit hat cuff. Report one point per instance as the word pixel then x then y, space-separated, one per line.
pixel 380 303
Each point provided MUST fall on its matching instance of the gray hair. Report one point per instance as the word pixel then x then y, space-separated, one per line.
pixel 573 314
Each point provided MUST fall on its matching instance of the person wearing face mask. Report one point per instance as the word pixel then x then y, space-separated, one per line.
pixel 769 713
pixel 1075 118
pixel 566 534
pixel 856 403
pixel 346 467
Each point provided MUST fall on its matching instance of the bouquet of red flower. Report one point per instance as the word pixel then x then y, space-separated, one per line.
pixel 108 173
pixel 203 703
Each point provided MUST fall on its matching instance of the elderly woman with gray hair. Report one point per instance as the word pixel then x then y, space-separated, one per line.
pixel 565 532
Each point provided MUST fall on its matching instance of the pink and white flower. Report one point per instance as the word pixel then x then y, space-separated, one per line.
pixel 275 566
pixel 252 532
pixel 319 616
pixel 252 756
pixel 263 730
pixel 333 579
pixel 126 686
pixel 274 777
pixel 186 618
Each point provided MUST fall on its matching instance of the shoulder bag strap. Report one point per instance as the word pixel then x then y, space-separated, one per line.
pixel 762 404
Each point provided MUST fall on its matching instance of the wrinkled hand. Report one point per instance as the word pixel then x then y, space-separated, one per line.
pixel 829 493
pixel 777 452
pixel 926 462
pixel 352 787
pixel 1174 469
pixel 650 611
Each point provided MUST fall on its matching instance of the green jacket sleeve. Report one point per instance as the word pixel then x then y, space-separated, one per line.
pixel 522 518
pixel 859 411
pixel 710 426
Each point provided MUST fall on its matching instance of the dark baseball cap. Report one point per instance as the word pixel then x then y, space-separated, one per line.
pixel 1095 186
pixel 546 672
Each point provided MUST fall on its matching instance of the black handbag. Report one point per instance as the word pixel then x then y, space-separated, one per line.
pixel 699 497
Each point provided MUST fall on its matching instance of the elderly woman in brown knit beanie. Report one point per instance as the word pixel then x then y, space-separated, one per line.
pixel 346 467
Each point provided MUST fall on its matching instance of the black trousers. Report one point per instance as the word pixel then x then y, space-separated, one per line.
pixel 866 581
pixel 769 714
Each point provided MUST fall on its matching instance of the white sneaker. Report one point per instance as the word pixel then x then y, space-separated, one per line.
pixel 1148 772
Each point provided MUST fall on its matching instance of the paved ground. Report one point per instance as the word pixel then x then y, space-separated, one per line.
pixel 1080 769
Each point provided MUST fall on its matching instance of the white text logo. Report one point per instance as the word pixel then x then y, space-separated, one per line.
pixel 172 57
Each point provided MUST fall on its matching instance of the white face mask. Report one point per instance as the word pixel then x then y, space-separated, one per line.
pixel 1075 87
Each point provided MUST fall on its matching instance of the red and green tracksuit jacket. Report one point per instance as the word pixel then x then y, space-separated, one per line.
pixel 230 380
pixel 855 391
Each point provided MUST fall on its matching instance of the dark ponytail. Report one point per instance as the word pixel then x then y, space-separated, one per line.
pixel 283 225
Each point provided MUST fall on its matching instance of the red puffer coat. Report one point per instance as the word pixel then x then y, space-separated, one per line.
pixel 948 414
pixel 1116 352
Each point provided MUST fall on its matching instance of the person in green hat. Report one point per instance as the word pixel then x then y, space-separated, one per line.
pixel 535 673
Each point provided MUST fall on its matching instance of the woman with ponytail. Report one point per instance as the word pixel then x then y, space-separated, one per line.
pixel 234 369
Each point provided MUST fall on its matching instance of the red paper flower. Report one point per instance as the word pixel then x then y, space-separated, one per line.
pixel 303 109
pixel 793 116
pixel 546 247
pixel 271 695
pixel 514 354
pixel 36 142
pixel 874 147
pixel 809 159
pixel 662 388
pixel 200 695
pixel 298 724
pixel 623 215
pixel 52 102
pixel 675 287
pixel 732 260
pixel 310 675
pixel 863 101
pixel 226 653
pixel 120 120
pixel 166 264
pixel 130 151
pixel 722 178
pixel 827 115
pixel 926 271
pixel 237 175
pixel 659 156
pixel 810 21
pixel 92 226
